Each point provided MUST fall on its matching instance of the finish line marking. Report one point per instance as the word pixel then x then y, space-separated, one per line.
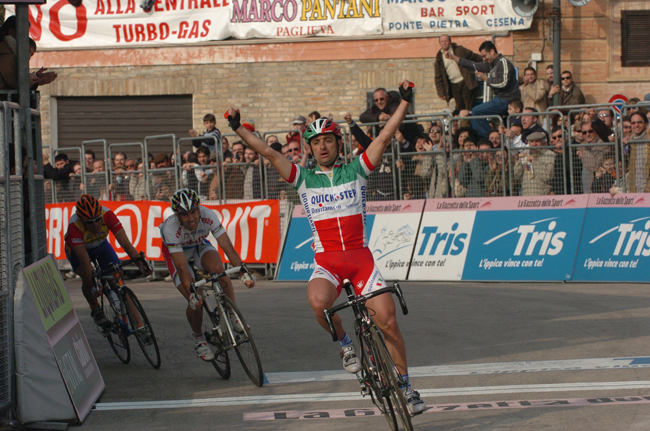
pixel 356 396
pixel 489 405
pixel 474 369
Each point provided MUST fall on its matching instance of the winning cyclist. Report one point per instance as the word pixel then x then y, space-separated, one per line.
pixel 86 239
pixel 334 197
pixel 184 235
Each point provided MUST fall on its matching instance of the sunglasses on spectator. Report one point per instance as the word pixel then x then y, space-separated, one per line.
pixel 566 78
pixel 295 150
pixel 380 99
pixel 603 115
pixel 93 220
pixel 556 137
pixel 584 132
pixel 130 166
pixel 436 131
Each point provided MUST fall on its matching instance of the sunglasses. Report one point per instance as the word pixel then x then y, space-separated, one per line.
pixel 379 100
pixel 556 137
pixel 584 132
pixel 437 132
pixel 566 78
pixel 603 115
pixel 295 150
pixel 93 220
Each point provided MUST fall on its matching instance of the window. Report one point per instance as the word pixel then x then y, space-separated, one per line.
pixel 635 38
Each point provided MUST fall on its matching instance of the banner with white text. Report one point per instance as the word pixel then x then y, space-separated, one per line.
pixel 123 23
pixel 253 227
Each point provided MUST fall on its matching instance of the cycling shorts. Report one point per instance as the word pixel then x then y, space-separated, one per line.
pixel 356 265
pixel 103 253
pixel 195 252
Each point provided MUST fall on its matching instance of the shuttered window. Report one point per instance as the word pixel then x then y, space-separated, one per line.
pixel 123 120
pixel 635 29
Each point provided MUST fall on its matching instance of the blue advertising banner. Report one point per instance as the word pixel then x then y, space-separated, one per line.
pixel 297 255
pixel 391 242
pixel 615 245
pixel 525 239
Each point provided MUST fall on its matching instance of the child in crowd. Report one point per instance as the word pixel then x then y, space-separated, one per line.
pixel 212 135
pixel 605 175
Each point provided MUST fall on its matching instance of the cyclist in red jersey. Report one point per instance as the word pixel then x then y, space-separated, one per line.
pixel 334 199
pixel 86 239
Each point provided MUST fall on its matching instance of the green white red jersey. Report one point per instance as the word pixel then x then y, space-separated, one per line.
pixel 335 203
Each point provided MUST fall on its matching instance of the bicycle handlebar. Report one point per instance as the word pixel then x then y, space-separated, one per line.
pixel 215 277
pixel 395 288
pixel 115 267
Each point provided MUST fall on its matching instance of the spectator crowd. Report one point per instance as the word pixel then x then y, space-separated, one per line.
pixel 528 139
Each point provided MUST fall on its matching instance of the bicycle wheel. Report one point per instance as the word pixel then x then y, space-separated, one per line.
pixel 117 340
pixel 221 362
pixel 373 379
pixel 245 348
pixel 141 327
pixel 387 367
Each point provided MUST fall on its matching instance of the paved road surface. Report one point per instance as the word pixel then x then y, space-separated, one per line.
pixel 487 356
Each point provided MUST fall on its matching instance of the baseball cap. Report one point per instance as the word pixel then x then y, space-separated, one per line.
pixel 299 119
pixel 248 124
pixel 536 136
pixel 160 157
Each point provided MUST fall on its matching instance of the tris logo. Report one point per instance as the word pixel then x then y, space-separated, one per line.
pixel 451 243
pixel 628 238
pixel 549 242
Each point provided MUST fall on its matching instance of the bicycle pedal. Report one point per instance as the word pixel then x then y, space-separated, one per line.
pixel 365 391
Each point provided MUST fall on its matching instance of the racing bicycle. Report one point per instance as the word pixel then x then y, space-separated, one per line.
pixel 378 376
pixel 221 333
pixel 125 313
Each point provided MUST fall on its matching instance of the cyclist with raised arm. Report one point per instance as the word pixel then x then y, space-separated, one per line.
pixel 185 236
pixel 86 239
pixel 334 198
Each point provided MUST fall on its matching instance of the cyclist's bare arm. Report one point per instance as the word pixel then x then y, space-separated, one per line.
pixel 280 162
pixel 85 269
pixel 376 148
pixel 180 262
pixel 126 245
pixel 226 245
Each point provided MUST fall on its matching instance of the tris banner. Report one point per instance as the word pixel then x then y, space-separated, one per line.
pixel 615 245
pixel 253 227
pixel 451 16
pixel 122 23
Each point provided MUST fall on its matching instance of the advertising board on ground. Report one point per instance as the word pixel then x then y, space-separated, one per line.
pixel 525 238
pixel 253 227
pixel 391 228
pixel 615 245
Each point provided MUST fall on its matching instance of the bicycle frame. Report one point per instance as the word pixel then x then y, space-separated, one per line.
pixel 358 304
pixel 218 295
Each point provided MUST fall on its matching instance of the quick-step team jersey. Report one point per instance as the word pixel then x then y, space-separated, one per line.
pixel 177 238
pixel 335 203
pixel 77 233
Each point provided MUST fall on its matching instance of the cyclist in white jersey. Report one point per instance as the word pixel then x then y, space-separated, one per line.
pixel 185 236
pixel 334 198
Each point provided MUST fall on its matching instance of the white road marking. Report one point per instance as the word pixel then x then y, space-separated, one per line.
pixel 346 396
pixel 474 369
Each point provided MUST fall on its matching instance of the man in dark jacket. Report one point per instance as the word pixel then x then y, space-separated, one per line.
pixel 453 81
pixel 385 105
pixel 497 72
